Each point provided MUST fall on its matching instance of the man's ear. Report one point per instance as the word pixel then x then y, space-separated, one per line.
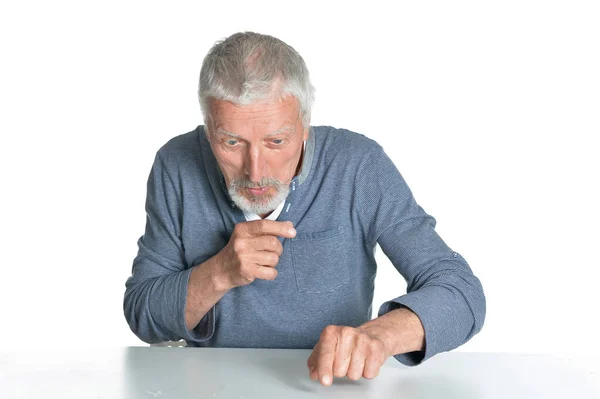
pixel 305 134
pixel 207 127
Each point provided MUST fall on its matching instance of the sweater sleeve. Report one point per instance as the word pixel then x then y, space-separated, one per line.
pixel 156 291
pixel 441 287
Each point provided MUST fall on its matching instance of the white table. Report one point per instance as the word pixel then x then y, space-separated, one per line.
pixel 179 373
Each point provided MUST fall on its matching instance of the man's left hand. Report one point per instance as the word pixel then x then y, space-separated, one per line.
pixel 347 351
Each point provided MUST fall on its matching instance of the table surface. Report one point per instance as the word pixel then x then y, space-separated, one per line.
pixel 179 373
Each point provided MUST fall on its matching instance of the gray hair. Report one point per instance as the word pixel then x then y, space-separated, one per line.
pixel 249 66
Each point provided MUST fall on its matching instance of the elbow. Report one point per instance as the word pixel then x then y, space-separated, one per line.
pixel 138 317
pixel 468 287
pixel 481 308
pixel 475 300
pixel 466 291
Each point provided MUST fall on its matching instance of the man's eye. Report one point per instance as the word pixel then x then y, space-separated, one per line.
pixel 231 142
pixel 278 141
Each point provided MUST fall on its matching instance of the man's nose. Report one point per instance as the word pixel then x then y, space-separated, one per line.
pixel 255 164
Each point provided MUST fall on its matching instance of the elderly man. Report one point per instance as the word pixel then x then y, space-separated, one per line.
pixel 261 231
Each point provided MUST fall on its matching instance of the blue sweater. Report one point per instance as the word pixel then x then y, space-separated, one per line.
pixel 348 197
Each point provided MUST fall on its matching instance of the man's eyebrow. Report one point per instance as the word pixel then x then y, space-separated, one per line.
pixel 284 129
pixel 279 131
pixel 226 133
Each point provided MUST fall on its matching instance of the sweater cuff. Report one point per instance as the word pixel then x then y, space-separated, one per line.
pixel 419 302
pixel 206 328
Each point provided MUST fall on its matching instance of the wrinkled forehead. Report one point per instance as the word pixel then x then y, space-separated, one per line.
pixel 269 112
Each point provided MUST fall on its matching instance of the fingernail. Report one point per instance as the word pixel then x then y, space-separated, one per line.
pixel 326 380
pixel 292 232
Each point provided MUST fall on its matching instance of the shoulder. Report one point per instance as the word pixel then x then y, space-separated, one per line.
pixel 334 142
pixel 343 138
pixel 182 149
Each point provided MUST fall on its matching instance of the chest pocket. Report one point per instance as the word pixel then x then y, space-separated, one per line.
pixel 320 260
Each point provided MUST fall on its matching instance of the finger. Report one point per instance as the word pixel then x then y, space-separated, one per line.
pixel 376 356
pixel 372 367
pixel 326 355
pixel 310 363
pixel 267 243
pixel 266 226
pixel 357 364
pixel 344 352
pixel 264 272
pixel 262 258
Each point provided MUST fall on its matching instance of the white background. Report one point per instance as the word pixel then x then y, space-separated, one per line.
pixel 490 110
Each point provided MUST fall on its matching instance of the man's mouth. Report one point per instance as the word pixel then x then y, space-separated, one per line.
pixel 257 191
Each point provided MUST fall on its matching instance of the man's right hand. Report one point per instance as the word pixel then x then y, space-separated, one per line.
pixel 253 252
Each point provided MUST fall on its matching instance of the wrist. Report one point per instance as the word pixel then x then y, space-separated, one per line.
pixel 219 280
pixel 205 288
pixel 383 334
pixel 400 331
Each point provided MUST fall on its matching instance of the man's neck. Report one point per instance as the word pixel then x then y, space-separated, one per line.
pixel 265 215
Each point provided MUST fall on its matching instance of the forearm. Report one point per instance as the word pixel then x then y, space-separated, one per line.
pixel 205 289
pixel 400 330
pixel 441 290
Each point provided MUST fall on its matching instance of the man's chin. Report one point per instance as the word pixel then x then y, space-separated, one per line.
pixel 257 207
pixel 255 203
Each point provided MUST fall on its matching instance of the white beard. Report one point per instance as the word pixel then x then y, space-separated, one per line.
pixel 258 205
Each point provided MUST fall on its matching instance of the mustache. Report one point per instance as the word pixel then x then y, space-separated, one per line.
pixel 246 183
